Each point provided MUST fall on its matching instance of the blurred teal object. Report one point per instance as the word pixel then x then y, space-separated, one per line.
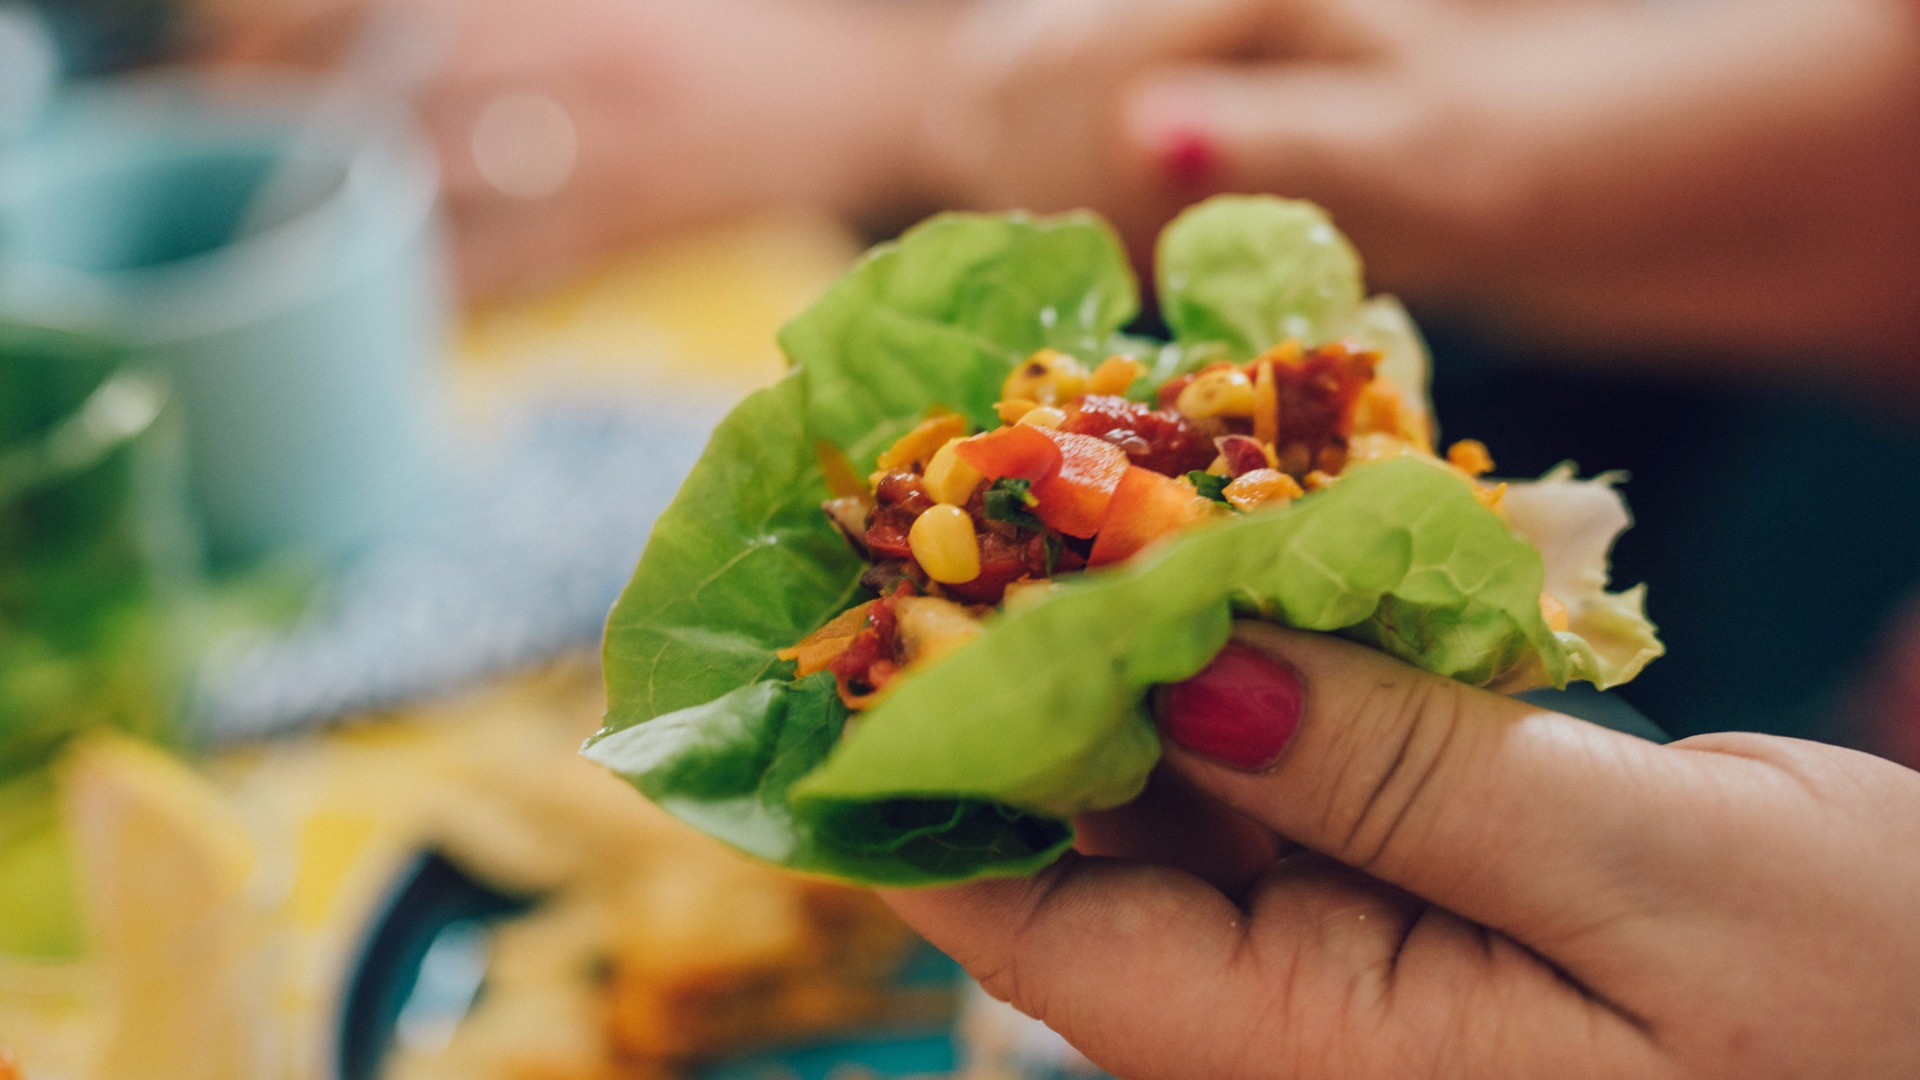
pixel 29 69
pixel 97 558
pixel 305 355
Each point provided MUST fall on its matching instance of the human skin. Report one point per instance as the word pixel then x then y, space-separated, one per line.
pixel 1725 184
pixel 684 112
pixel 1434 880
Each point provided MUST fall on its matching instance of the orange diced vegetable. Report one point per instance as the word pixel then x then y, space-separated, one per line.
pixel 1074 500
pixel 1256 488
pixel 912 450
pixel 1266 404
pixel 1013 409
pixel 1114 375
pixel 1022 452
pixel 1145 507
pixel 818 650
pixel 842 481
pixel 1470 456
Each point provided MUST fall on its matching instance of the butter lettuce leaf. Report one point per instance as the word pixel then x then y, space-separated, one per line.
pixel 943 315
pixel 1250 272
pixel 726 767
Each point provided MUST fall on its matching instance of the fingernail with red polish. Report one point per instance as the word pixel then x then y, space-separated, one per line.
pixel 1240 710
pixel 1172 123
pixel 1188 156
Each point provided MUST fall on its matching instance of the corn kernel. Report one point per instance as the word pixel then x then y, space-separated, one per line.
pixel 1254 489
pixel 1217 392
pixel 915 447
pixel 1049 377
pixel 944 544
pixel 1011 411
pixel 949 479
pixel 1044 416
pixel 1470 456
pixel 1114 375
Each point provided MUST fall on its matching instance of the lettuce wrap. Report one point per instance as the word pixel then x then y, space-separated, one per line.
pixel 972 764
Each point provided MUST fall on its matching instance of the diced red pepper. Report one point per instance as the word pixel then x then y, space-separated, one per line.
pixel 1145 507
pixel 1074 500
pixel 1024 453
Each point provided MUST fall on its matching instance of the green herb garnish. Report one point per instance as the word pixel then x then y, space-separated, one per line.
pixel 1011 500
pixel 1209 485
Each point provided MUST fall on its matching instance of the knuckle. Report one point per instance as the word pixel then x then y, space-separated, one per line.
pixel 1400 736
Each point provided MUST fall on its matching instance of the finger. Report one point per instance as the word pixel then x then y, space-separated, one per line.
pixel 1141 967
pixel 1155 976
pixel 1173 824
pixel 1408 169
pixel 1527 821
pixel 1347 923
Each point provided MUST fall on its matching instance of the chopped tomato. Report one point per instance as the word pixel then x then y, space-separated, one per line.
pixel 1074 500
pixel 1145 507
pixel 1022 452
pixel 1159 439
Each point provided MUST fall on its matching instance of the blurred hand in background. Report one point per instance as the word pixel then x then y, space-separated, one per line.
pixel 573 129
pixel 1730 180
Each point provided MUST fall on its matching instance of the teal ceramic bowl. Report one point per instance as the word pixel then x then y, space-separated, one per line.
pixel 304 351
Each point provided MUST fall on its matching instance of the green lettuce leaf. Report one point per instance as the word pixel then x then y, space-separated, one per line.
pixel 726 768
pixel 1250 272
pixel 941 317
pixel 971 764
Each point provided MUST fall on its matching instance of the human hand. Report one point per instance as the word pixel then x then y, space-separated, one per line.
pixel 1727 182
pixel 571 129
pixel 1482 889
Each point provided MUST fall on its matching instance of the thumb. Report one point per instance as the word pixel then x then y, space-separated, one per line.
pixel 1518 818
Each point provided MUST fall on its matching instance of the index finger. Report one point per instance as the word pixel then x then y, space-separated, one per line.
pixel 1513 816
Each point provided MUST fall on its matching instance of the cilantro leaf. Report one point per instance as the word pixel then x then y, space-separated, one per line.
pixel 1209 485
pixel 1011 500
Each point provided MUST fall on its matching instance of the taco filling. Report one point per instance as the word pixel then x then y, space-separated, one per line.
pixel 1078 474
